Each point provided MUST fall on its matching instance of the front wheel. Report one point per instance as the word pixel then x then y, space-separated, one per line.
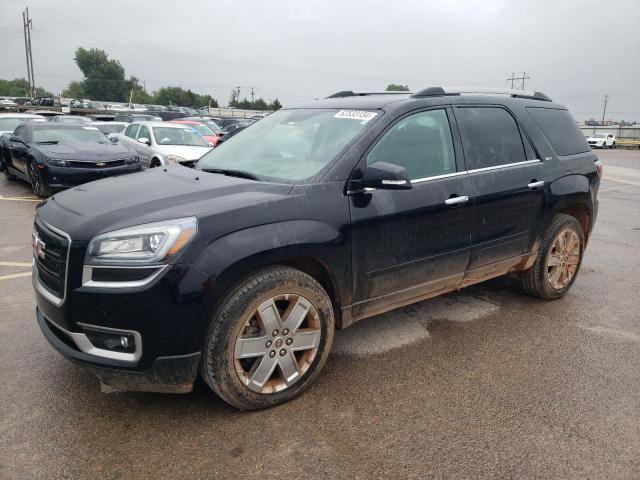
pixel 269 339
pixel 558 261
pixel 37 183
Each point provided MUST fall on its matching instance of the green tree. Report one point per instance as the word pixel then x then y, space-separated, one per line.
pixel 19 87
pixel 392 87
pixel 74 90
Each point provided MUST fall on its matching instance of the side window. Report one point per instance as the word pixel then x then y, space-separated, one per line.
pixel 490 137
pixel 21 131
pixel 421 143
pixel 560 129
pixel 131 131
pixel 143 133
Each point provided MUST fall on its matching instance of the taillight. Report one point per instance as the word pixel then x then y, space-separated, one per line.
pixel 599 167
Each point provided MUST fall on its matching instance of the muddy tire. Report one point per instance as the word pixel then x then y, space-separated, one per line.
pixel 269 339
pixel 558 261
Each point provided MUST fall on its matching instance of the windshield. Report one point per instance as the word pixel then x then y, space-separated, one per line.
pixel 213 125
pixel 178 136
pixel 10 124
pixel 600 135
pixel 202 129
pixel 289 145
pixel 81 134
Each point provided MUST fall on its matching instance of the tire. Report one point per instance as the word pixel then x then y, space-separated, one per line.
pixel 613 145
pixel 241 378
pixel 37 183
pixel 537 281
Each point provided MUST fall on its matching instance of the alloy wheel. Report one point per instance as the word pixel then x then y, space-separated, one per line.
pixel 563 258
pixel 277 343
pixel 35 179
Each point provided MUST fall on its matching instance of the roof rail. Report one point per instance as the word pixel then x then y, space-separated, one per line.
pixel 442 91
pixel 349 93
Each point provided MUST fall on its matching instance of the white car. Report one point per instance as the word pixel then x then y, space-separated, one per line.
pixel 9 121
pixel 602 140
pixel 162 143
pixel 110 129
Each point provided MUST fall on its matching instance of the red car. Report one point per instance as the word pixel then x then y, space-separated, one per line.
pixel 209 135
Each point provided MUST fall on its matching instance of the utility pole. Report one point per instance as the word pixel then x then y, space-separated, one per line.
pixel 27 25
pixel 605 100
pixel 252 95
pixel 238 94
pixel 523 78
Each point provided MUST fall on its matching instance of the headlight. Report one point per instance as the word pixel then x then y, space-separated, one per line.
pixel 147 244
pixel 56 162
pixel 132 160
pixel 174 159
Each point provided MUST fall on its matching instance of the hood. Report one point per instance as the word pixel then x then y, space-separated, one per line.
pixel 150 196
pixel 188 152
pixel 595 139
pixel 85 150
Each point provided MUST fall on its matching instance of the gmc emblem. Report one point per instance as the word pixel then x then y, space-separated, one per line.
pixel 38 245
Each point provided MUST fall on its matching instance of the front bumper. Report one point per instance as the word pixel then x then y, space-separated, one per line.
pixel 66 177
pixel 167 374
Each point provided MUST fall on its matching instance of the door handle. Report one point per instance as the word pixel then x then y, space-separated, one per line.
pixel 456 200
pixel 535 184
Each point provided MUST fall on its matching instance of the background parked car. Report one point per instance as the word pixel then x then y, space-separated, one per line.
pixel 160 143
pixel 208 121
pixel 54 157
pixel 200 127
pixel 602 140
pixel 46 101
pixel 8 123
pixel 71 119
pixel 136 117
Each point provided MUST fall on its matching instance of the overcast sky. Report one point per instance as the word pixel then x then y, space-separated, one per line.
pixel 575 51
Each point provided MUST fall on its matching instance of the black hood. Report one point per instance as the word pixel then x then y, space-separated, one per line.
pixel 153 195
pixel 88 151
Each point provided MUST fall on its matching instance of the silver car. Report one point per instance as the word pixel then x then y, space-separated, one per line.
pixel 160 143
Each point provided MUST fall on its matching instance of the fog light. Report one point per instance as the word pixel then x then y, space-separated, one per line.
pixel 109 340
pixel 124 341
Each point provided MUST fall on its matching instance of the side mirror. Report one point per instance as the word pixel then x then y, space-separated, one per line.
pixel 383 176
pixel 16 139
pixel 113 138
pixel 144 140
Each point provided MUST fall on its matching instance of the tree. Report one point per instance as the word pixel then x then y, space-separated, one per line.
pixel 392 87
pixel 74 90
pixel 19 87
pixel 103 78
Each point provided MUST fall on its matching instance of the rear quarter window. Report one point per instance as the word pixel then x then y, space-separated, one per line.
pixel 560 129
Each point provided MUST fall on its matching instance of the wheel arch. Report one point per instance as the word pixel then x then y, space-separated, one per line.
pixel 300 244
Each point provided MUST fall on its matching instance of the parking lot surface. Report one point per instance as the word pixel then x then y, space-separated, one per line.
pixel 485 382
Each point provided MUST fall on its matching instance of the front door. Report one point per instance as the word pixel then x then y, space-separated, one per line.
pixel 410 243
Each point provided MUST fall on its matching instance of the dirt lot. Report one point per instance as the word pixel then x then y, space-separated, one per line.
pixel 481 383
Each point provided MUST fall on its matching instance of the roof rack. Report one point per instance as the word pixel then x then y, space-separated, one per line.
pixel 442 91
pixel 349 93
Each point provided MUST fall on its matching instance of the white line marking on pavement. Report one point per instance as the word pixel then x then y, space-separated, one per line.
pixel 15 264
pixel 15 275
pixel 20 199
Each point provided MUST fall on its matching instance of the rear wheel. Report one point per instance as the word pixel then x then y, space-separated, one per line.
pixel 613 145
pixel 269 340
pixel 558 261
pixel 37 183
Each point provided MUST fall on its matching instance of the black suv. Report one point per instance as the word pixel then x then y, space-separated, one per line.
pixel 307 221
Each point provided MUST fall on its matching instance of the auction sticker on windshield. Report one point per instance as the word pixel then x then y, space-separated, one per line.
pixel 361 115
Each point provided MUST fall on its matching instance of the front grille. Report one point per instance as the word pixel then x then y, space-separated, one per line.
pixel 51 259
pixel 106 164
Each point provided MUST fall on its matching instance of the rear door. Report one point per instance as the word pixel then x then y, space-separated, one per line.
pixel 143 150
pixel 508 182
pixel 408 243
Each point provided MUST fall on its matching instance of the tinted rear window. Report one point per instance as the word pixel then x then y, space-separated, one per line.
pixel 561 130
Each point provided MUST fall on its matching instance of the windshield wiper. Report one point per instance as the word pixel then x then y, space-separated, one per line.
pixel 231 173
